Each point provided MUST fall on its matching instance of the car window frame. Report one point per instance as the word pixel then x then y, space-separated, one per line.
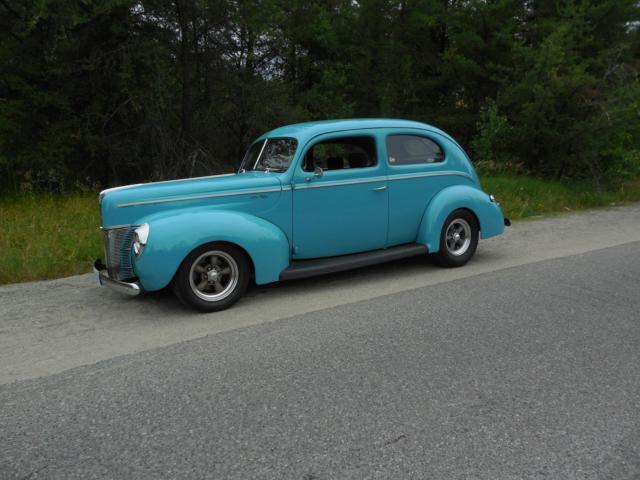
pixel 267 139
pixel 371 134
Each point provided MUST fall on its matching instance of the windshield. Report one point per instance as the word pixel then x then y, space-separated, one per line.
pixel 272 154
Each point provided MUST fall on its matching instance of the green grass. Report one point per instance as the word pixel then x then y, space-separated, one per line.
pixel 522 196
pixel 44 236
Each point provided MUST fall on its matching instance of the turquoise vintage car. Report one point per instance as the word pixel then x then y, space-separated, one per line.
pixel 308 199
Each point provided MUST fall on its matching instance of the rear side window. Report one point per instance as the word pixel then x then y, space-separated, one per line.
pixel 412 150
pixel 341 153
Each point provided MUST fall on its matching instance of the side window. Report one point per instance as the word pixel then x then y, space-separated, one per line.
pixel 412 150
pixel 341 153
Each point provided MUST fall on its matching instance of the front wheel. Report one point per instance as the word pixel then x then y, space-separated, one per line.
pixel 458 239
pixel 212 277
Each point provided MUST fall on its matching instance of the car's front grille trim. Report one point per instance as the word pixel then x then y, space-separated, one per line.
pixel 117 249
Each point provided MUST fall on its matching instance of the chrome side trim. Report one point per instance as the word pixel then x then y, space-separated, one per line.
pixel 390 178
pixel 286 188
pixel 339 183
pixel 122 187
pixel 200 197
pixel 446 173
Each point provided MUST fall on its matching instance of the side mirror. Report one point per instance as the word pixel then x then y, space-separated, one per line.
pixel 318 172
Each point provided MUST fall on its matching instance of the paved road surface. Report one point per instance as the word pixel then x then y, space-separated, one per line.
pixel 525 364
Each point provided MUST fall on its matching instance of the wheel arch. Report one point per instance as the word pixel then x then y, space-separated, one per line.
pixel 487 214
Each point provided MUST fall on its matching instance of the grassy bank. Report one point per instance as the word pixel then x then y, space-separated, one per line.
pixel 44 236
pixel 523 197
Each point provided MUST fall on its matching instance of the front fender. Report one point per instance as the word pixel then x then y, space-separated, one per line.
pixel 173 235
pixel 488 213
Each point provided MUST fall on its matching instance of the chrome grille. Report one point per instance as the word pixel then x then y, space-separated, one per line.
pixel 117 249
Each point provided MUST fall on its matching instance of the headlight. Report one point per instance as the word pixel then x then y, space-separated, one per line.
pixel 140 236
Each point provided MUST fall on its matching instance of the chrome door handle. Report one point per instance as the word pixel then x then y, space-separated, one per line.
pixel 378 189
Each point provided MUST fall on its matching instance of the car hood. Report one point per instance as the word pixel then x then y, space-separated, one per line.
pixel 127 204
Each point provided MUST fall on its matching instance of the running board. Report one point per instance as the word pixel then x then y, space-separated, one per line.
pixel 321 266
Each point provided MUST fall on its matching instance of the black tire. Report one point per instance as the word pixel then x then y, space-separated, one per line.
pixel 456 251
pixel 196 287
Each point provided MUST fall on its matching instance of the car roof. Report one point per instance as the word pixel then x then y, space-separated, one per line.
pixel 307 130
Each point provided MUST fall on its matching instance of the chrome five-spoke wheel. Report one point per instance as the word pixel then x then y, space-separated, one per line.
pixel 458 239
pixel 212 277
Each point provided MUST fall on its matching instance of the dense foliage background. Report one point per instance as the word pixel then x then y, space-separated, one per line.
pixel 99 93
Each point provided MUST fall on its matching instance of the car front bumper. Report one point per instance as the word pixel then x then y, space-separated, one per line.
pixel 126 288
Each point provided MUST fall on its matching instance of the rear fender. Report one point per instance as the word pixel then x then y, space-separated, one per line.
pixel 488 213
pixel 173 235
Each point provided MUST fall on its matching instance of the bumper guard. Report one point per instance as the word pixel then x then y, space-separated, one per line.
pixel 126 288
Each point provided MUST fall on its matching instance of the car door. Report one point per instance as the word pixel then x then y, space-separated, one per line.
pixel 340 196
pixel 418 168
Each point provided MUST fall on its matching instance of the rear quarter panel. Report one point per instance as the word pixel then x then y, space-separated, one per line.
pixel 488 213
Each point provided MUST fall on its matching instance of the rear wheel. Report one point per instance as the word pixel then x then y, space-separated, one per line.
pixel 458 239
pixel 212 277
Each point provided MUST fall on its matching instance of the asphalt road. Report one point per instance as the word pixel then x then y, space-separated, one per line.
pixel 515 366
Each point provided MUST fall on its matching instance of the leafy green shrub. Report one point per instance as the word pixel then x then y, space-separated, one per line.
pixel 491 145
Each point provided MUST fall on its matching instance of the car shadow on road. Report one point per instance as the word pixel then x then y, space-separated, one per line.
pixel 296 290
